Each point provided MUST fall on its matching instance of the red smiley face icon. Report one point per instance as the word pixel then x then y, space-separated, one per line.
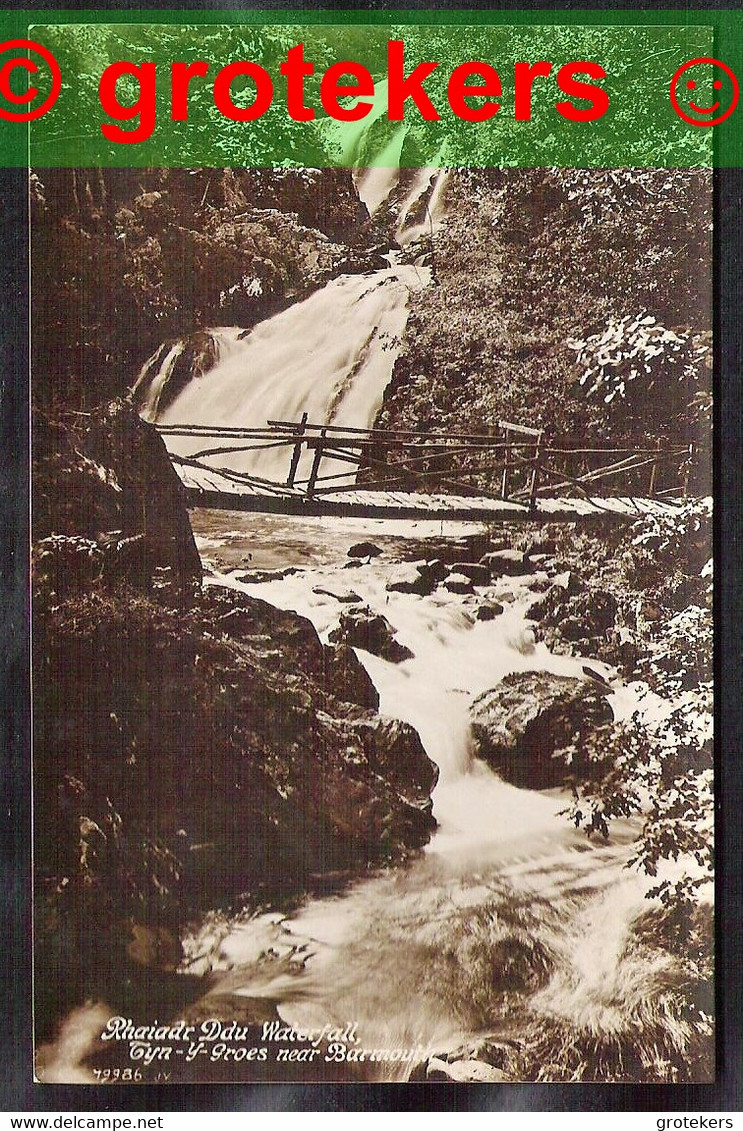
pixel 698 109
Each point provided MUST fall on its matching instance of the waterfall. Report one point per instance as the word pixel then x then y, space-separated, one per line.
pixel 330 356
pixel 375 149
pixel 161 364
pixel 423 210
pixel 174 364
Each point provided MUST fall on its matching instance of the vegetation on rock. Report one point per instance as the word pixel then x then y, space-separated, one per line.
pixel 548 278
pixel 180 250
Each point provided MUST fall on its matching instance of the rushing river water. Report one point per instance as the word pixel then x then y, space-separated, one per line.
pixel 511 923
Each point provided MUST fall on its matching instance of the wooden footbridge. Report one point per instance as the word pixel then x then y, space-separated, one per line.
pixel 508 472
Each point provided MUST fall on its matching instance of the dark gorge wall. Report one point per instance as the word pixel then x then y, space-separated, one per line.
pixel 124 259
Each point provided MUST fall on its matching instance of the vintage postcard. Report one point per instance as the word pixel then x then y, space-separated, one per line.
pixel 372 555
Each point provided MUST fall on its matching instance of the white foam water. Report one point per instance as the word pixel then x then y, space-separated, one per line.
pixel 504 870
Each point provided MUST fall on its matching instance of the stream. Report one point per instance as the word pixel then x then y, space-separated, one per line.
pixel 511 920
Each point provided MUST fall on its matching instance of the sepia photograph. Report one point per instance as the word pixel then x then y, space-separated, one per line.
pixel 372 610
pixel 372 625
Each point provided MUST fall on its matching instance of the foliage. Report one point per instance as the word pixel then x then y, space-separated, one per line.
pixel 635 364
pixel 637 126
pixel 529 260
pixel 206 138
pixel 659 763
pixel 675 539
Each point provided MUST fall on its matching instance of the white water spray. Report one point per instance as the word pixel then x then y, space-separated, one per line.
pixel 330 356
pixel 506 879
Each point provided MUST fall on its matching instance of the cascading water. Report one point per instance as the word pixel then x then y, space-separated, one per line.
pixel 423 209
pixel 511 923
pixel 174 364
pixel 416 196
pixel 330 356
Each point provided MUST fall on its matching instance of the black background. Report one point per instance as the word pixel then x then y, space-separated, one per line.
pixel 17 1090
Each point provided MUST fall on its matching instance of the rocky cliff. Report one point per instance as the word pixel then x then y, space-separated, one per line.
pixel 179 250
pixel 191 746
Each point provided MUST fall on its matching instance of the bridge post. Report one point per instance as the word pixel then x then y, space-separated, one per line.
pixel 535 471
pixel 297 451
pixel 687 470
pixel 506 461
pixel 320 443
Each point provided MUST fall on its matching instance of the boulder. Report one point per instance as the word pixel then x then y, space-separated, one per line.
pixel 152 495
pixel 458 583
pixel 477 573
pixel 533 726
pixel 469 548
pixel 585 618
pixel 490 611
pixel 460 1072
pixel 476 545
pixel 506 563
pixel 411 577
pixel 370 781
pixel 491 1059
pixel 363 628
pixel 436 570
pixel 264 627
pixel 396 752
pixel 346 678
pixel 541 544
pixel 363 550
pixel 338 593
pixel 261 576
pixel 185 756
pixel 108 477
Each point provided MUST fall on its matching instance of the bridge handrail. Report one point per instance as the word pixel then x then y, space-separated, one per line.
pixel 527 460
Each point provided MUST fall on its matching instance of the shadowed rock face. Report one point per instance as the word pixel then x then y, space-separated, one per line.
pixel 347 675
pixel 183 757
pixel 531 728
pixel 363 628
pixel 108 478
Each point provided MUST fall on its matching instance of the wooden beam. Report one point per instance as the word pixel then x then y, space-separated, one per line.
pixel 535 475
pixel 297 451
pixel 315 465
